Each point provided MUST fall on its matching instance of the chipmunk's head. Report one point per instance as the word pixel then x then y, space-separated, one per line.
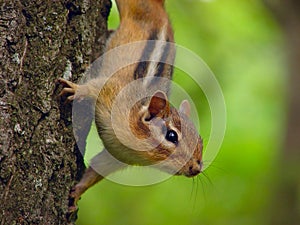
pixel 173 143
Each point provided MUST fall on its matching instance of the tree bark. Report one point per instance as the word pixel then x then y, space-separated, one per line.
pixel 286 204
pixel 39 161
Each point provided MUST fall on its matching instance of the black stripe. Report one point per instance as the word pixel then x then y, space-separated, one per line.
pixel 140 70
pixel 164 69
pixel 161 64
pixel 143 64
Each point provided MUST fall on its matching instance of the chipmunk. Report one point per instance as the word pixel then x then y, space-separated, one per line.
pixel 146 130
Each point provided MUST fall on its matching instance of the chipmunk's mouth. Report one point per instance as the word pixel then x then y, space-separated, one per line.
pixel 188 174
pixel 191 170
pixel 192 174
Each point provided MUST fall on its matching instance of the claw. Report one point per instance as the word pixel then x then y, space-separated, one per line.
pixel 67 83
pixel 69 90
pixel 66 91
pixel 74 197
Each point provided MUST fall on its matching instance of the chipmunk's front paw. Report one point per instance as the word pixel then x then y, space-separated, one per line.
pixel 74 196
pixel 69 90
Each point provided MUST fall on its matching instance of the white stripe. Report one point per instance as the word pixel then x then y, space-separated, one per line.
pixel 156 54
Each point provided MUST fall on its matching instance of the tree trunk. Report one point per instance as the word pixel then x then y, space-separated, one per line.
pixel 39 161
pixel 286 205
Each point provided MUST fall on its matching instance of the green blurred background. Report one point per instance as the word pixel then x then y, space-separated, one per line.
pixel 243 45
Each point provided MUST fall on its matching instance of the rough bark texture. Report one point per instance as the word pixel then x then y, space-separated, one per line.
pixel 286 205
pixel 40 41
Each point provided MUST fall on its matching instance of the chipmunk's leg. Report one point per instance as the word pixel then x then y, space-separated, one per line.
pixel 101 165
pixel 90 177
pixel 88 90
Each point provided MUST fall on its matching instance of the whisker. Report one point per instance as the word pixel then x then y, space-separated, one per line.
pixel 213 165
pixel 196 195
pixel 203 188
pixel 207 177
pixel 192 191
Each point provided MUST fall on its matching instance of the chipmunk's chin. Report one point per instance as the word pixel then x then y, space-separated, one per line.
pixel 188 173
pixel 192 175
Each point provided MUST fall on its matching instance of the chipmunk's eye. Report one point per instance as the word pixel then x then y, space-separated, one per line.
pixel 172 136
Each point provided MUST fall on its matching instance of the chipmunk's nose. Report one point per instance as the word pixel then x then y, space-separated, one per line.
pixel 195 168
pixel 194 171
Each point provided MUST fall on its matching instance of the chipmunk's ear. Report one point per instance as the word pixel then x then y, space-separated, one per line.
pixel 185 108
pixel 159 105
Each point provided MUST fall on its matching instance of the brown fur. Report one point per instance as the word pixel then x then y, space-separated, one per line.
pixel 145 143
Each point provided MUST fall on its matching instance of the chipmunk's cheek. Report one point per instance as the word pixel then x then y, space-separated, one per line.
pixel 181 171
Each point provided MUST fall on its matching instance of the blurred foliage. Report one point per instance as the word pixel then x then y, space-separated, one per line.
pixel 243 45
